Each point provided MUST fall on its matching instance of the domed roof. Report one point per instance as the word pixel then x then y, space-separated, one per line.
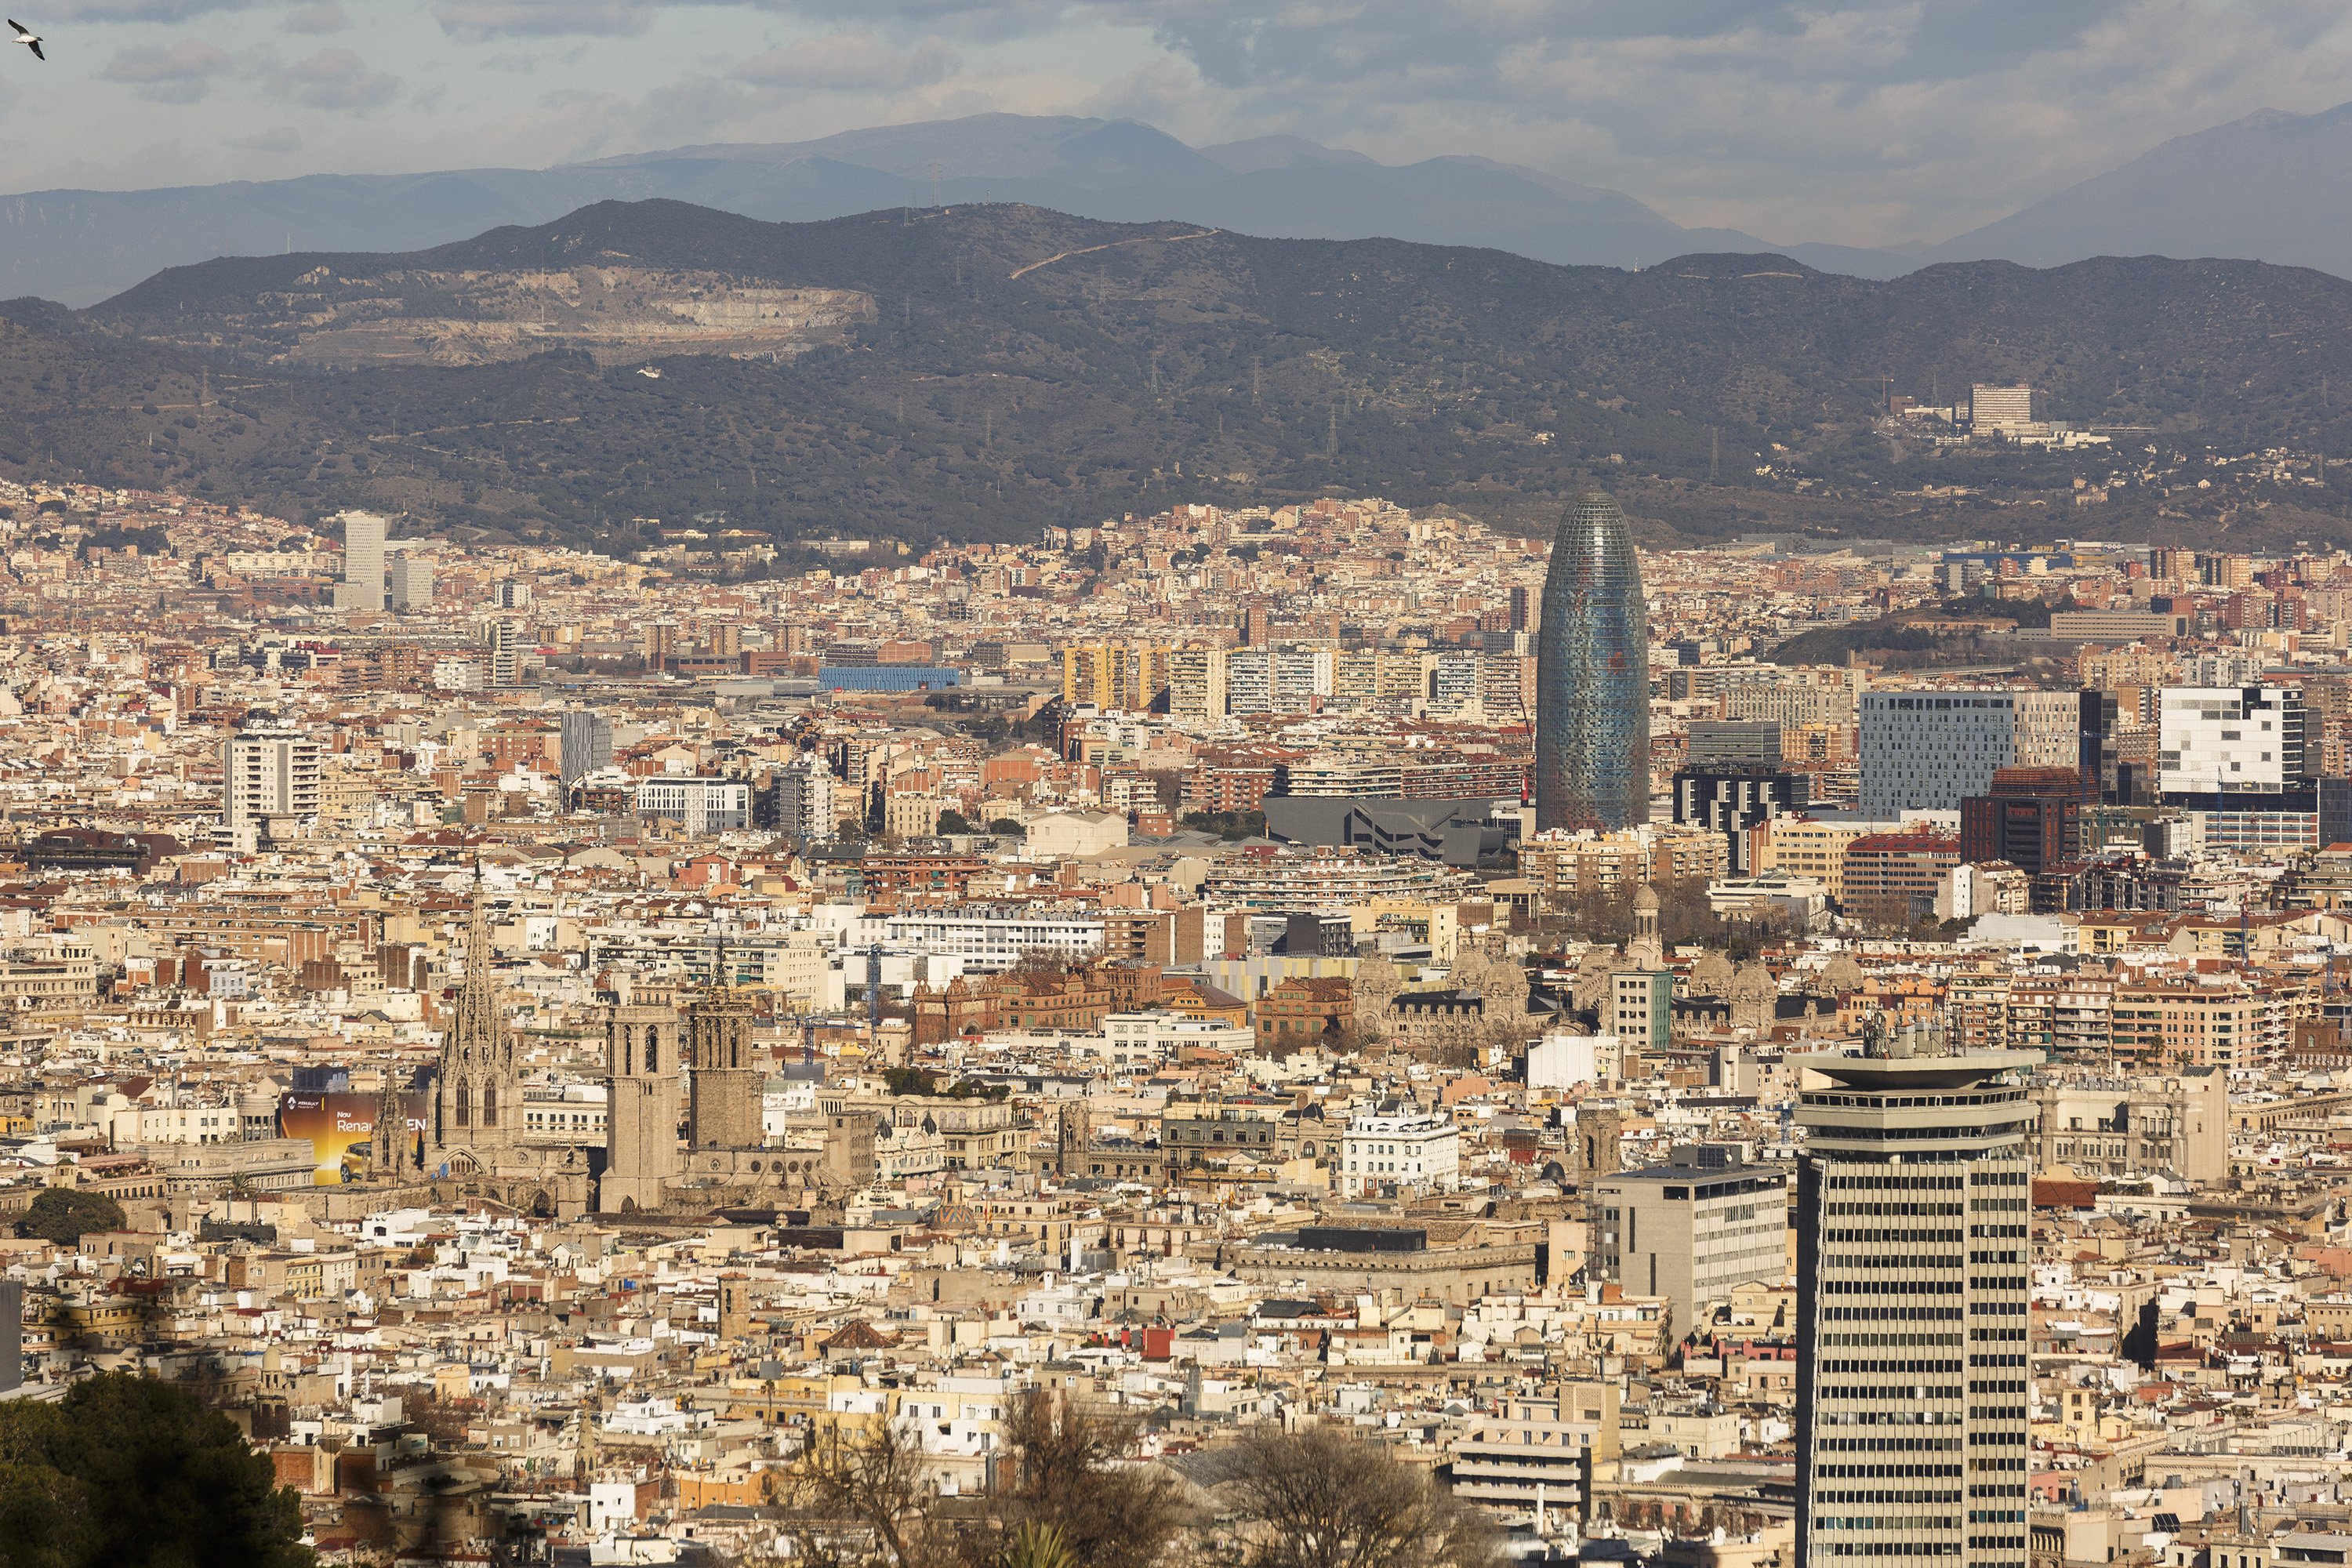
pixel 1647 898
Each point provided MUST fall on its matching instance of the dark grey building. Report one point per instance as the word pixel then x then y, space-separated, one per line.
pixel 587 744
pixel 1732 800
pixel 1592 677
pixel 1455 832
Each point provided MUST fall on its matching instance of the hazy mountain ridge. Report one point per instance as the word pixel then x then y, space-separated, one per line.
pixel 2270 187
pixel 79 247
pixel 1018 366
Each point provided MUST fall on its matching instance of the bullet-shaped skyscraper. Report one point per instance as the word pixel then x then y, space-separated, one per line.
pixel 1592 677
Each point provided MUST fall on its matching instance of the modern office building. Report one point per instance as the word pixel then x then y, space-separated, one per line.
pixel 269 772
pixel 699 806
pixel 2030 818
pixel 412 581
pixel 1693 1228
pixel 1890 878
pixel 1732 800
pixel 1641 1009
pixel 586 741
pixel 362 585
pixel 2230 739
pixel 1593 679
pixel 1732 743
pixel 1928 750
pixel 1911 1300
pixel 2002 408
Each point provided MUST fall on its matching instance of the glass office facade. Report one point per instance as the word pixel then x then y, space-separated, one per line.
pixel 1592 678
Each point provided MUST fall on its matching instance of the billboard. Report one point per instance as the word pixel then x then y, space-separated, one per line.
pixel 341 1130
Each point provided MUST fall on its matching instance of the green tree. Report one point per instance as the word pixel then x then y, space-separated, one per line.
pixel 61 1215
pixel 128 1473
pixel 952 821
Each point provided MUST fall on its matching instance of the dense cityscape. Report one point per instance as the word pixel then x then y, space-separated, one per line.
pixel 665 1059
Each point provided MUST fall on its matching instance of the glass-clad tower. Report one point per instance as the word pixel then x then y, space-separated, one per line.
pixel 1912 1306
pixel 1592 677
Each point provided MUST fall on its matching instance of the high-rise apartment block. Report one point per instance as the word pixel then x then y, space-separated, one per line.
pixel 801 798
pixel 503 640
pixel 362 585
pixel 1912 1305
pixel 268 772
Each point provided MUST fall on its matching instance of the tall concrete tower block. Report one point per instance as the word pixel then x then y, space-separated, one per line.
pixel 641 1066
pixel 1914 1206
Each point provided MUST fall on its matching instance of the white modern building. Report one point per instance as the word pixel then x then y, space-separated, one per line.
pixel 362 587
pixel 2213 739
pixel 1400 1146
pixel 991 939
pixel 699 806
pixel 2003 408
pixel 1928 750
pixel 1146 1040
pixel 267 772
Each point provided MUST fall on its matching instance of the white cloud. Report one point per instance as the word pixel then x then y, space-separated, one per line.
pixel 324 17
pixel 337 79
pixel 853 61
pixel 178 73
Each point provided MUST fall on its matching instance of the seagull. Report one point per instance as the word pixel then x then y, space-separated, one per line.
pixel 29 38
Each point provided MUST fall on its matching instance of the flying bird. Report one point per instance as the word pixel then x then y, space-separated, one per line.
pixel 29 38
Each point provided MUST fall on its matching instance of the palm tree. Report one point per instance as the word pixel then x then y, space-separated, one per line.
pixel 1035 1545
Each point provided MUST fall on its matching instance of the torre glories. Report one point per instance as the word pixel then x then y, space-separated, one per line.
pixel 1592 677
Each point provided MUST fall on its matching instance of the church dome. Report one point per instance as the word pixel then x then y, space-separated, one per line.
pixel 1646 900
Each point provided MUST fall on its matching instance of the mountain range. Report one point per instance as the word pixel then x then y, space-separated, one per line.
pixel 975 371
pixel 2270 187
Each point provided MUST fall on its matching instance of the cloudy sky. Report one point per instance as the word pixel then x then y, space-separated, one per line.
pixel 1852 120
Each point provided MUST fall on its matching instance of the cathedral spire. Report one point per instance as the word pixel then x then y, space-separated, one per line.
pixel 476 1021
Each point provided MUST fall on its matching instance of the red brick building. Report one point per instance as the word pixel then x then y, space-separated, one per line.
pixel 1891 878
